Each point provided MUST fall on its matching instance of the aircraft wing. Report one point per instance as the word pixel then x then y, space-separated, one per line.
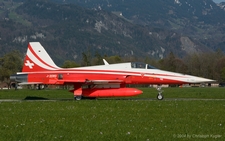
pixel 92 81
pixel 103 81
pixel 30 83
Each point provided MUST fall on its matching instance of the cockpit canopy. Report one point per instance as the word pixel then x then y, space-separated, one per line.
pixel 141 65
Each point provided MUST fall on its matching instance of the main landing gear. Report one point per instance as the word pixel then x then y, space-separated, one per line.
pixel 77 97
pixel 159 89
pixel 77 91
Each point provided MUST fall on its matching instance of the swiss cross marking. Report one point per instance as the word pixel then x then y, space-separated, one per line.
pixel 29 64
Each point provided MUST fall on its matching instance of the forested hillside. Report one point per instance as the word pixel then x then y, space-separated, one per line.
pixel 202 20
pixel 67 31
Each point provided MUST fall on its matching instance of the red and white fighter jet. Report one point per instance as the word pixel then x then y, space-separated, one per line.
pixel 107 80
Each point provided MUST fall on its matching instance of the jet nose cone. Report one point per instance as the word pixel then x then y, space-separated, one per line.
pixel 195 79
pixel 204 80
pixel 210 80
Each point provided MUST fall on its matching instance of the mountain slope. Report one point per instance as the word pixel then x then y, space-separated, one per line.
pixel 199 19
pixel 153 11
pixel 68 30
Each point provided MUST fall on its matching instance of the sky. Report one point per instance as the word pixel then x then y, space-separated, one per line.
pixel 218 1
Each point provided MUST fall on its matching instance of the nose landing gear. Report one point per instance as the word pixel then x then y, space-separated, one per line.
pixel 159 96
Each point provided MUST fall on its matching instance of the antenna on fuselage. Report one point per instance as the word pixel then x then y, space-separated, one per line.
pixel 105 62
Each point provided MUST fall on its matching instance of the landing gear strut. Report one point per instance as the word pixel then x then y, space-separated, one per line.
pixel 159 96
pixel 77 92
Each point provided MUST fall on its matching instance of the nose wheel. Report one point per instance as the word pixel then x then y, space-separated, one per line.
pixel 159 96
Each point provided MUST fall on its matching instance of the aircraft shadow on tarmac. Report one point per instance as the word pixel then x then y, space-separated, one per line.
pixel 35 98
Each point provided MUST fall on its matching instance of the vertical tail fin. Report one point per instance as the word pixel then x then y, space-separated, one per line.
pixel 37 59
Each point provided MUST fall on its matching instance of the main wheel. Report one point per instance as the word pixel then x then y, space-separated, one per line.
pixel 160 97
pixel 77 97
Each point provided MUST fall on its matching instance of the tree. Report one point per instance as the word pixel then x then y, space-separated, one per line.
pixel 86 59
pixel 113 59
pixel 223 75
pixel 219 68
pixel 10 64
pixel 98 60
pixel 194 65
pixel 70 64
pixel 180 66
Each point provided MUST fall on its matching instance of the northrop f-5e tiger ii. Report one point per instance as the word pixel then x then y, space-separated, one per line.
pixel 108 80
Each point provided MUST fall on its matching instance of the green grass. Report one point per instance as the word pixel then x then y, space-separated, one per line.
pixel 134 118
pixel 197 93
pixel 24 93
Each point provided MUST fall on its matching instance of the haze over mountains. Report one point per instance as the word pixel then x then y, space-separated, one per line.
pixel 147 29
